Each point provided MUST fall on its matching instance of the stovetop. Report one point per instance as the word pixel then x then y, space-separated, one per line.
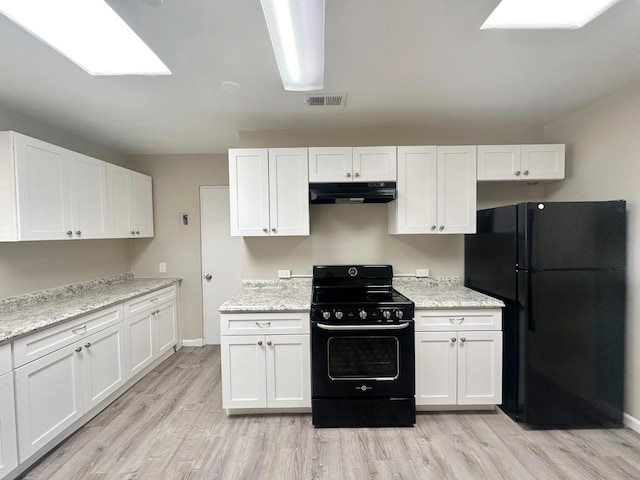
pixel 357 294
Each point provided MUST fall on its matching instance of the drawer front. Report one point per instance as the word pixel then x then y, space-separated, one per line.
pixel 458 320
pixel 5 358
pixel 261 323
pixel 34 346
pixel 149 301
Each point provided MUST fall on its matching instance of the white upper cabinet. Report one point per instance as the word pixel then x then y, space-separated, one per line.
pixel 48 192
pixel 528 163
pixel 269 192
pixel 436 190
pixel 130 203
pixel 352 164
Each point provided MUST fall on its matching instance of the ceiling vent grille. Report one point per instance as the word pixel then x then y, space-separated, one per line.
pixel 326 100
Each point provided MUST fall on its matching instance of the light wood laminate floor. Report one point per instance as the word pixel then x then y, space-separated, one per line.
pixel 171 426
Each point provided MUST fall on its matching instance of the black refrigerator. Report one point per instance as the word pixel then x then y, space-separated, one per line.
pixel 560 268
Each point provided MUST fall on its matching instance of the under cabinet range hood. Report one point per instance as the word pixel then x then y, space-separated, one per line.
pixel 352 192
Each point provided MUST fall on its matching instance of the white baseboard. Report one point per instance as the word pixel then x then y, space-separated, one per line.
pixel 196 342
pixel 631 422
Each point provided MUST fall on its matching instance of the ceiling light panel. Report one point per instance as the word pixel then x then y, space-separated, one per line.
pixel 89 33
pixel 296 29
pixel 545 14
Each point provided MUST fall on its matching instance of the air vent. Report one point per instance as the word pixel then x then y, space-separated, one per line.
pixel 326 100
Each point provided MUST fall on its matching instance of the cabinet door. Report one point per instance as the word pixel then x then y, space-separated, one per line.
pixel 166 327
pixel 543 162
pixel 331 164
pixel 48 398
pixel 289 191
pixel 457 189
pixel 374 164
pixel 44 211
pixel 8 438
pixel 499 162
pixel 288 371
pixel 415 209
pixel 142 204
pixel 88 180
pixel 244 382
pixel 139 342
pixel 436 368
pixel 249 192
pixel 119 192
pixel 103 364
pixel 480 368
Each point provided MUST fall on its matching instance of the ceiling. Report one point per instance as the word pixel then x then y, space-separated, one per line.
pixel 402 63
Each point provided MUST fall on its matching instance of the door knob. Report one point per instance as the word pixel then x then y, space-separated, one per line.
pixel 208 277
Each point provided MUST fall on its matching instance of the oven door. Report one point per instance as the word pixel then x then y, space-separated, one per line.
pixel 363 360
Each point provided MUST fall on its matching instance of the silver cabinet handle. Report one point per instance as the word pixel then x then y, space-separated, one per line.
pixel 154 300
pixel 348 175
pixel 208 277
pixel 517 172
pixel 526 172
pixel 80 330
pixel 87 345
pixel 394 326
pixel 69 232
pixel 263 324
pixel 260 342
pixel 441 227
pixel 79 349
pixel 356 174
pixel 457 321
pixel 453 339
pixel 269 343
pixel 462 340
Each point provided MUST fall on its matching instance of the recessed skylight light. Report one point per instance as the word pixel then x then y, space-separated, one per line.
pixel 565 14
pixel 89 33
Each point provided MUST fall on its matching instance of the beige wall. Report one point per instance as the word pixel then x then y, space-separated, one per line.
pixel 176 189
pixel 603 149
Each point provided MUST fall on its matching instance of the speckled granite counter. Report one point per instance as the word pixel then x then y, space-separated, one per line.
pixel 270 296
pixel 443 292
pixel 295 295
pixel 27 313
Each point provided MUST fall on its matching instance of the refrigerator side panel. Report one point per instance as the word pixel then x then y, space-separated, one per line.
pixel 576 235
pixel 574 347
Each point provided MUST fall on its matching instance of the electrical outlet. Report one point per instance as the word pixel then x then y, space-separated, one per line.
pixel 422 272
pixel 163 267
pixel 284 273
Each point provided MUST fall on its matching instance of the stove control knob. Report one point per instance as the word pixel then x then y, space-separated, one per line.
pixel 399 314
pixel 386 314
pixel 326 314
pixel 363 314
pixel 338 315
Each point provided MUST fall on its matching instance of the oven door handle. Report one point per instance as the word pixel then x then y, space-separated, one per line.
pixel 395 326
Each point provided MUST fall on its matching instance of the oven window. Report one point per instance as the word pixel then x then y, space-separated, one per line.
pixel 363 357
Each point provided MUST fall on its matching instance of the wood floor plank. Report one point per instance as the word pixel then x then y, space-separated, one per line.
pixel 171 425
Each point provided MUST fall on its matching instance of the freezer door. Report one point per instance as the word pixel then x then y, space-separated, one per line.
pixel 571 235
pixel 573 336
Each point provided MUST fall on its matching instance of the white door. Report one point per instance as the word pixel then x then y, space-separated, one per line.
pixel 8 438
pixel 457 181
pixel 88 178
pixel 249 191
pixel 331 164
pixel 374 164
pixel 288 371
pixel 139 342
pixel 436 368
pixel 165 321
pixel 480 368
pixel 220 258
pixel 288 191
pixel 498 162
pixel 143 204
pixel 244 379
pixel 119 198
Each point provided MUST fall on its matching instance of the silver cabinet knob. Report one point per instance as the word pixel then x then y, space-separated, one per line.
pixel 208 277
pixel 69 232
pixel 453 339
pixel 87 345
pixel 273 229
pixel 433 227
pixel 265 230
pixel 269 343
pixel 79 349
pixel 348 174
pixel 526 172
pixel 78 232
pixel 260 342
pixel 137 232
pixel 462 340
pixel 133 232
pixel 441 228
pixel 356 174
pixel 517 172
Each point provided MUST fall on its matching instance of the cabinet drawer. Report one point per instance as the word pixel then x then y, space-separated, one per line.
pixel 271 323
pixel 34 346
pixel 150 300
pixel 457 320
pixel 5 358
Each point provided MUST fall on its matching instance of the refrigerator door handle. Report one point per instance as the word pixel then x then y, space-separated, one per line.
pixel 531 324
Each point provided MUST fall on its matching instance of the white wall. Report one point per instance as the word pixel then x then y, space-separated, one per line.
pixel 603 163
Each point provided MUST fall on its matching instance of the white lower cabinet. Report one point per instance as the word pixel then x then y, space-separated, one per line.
pixel 458 367
pixel 55 390
pixel 261 370
pixel 8 439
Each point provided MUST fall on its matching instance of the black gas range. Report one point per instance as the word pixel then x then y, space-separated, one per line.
pixel 362 348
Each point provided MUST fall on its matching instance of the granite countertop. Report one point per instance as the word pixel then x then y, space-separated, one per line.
pixel 295 295
pixel 27 313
